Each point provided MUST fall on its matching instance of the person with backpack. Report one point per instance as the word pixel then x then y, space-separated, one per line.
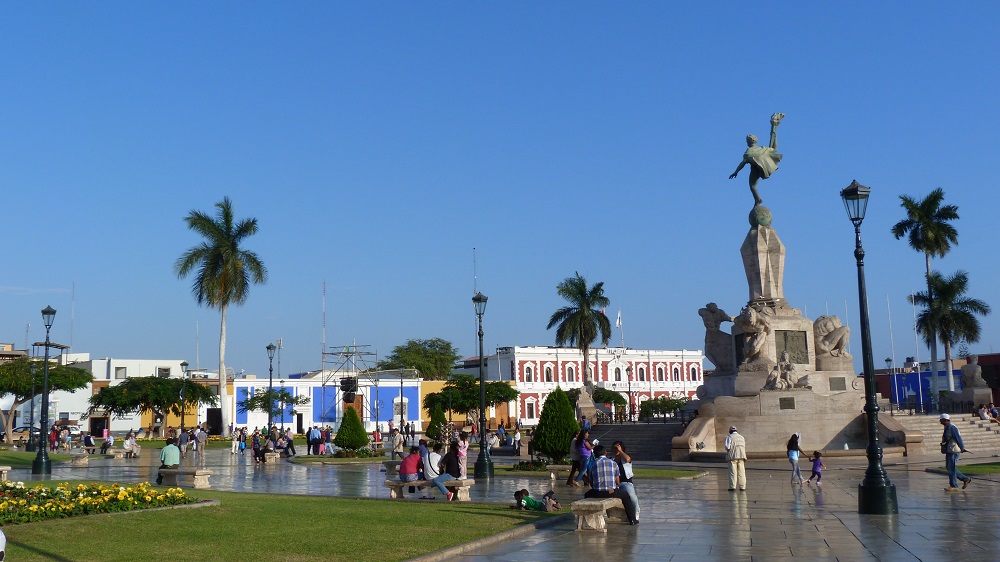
pixel 951 447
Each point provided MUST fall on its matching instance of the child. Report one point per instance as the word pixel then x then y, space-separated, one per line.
pixel 524 502
pixel 463 453
pixel 817 468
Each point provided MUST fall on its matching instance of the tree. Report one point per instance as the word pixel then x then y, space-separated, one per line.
pixel 556 427
pixel 950 315
pixel 351 435
pixel 580 323
pixel 661 405
pixel 437 429
pixel 16 379
pixel 224 272
pixel 928 230
pixel 157 395
pixel 465 395
pixel 434 358
pixel 605 396
pixel 279 399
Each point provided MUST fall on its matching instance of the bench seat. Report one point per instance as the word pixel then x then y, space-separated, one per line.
pixel 3 473
pixel 590 513
pixel 555 469
pixel 458 486
pixel 391 467
pixel 201 475
pixel 79 459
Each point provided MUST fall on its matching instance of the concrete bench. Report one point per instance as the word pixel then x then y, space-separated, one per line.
pixel 79 459
pixel 555 469
pixel 272 457
pixel 170 476
pixel 118 453
pixel 391 467
pixel 3 473
pixel 457 486
pixel 590 513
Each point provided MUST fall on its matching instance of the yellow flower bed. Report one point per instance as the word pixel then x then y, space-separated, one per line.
pixel 21 504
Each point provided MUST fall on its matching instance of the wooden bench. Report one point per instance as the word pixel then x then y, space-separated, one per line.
pixel 391 467
pixel 3 473
pixel 200 476
pixel 590 513
pixel 457 486
pixel 79 459
pixel 555 469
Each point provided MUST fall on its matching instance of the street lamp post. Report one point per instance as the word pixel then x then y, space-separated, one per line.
pixel 876 495
pixel 631 408
pixel 484 464
pixel 41 464
pixel 270 384
pixel 184 369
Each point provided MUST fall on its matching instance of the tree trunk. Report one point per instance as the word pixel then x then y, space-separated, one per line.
pixel 223 392
pixel 8 421
pixel 935 398
pixel 948 365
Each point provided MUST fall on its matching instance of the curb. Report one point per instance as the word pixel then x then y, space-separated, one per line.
pixel 515 533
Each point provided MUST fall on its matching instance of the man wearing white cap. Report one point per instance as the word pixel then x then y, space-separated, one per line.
pixel 736 454
pixel 951 446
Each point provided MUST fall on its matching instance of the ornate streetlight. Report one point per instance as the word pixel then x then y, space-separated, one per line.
pixel 41 464
pixel 631 408
pixel 484 464
pixel 876 495
pixel 270 384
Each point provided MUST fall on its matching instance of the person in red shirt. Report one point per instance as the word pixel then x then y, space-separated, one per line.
pixel 409 466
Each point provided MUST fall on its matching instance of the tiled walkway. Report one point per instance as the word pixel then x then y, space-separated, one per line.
pixel 680 519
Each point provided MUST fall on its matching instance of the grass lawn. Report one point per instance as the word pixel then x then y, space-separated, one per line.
pixel 262 527
pixel 22 459
pixel 976 469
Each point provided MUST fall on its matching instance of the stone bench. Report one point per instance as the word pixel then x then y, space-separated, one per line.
pixel 272 457
pixel 170 476
pixel 79 459
pixel 590 513
pixel 458 486
pixel 555 469
pixel 118 453
pixel 3 473
pixel 391 467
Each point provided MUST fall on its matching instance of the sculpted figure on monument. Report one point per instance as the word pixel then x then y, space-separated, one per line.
pixel 782 376
pixel 755 330
pixel 763 160
pixel 831 336
pixel 972 374
pixel 718 344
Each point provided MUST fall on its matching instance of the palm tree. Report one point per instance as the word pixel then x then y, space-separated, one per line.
pixel 224 271
pixel 929 231
pixel 951 314
pixel 582 321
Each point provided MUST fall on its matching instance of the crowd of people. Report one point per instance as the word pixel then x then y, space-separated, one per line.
pixel 608 477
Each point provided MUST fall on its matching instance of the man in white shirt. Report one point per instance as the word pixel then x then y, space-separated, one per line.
pixel 431 464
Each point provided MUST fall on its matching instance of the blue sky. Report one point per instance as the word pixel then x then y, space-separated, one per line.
pixel 378 143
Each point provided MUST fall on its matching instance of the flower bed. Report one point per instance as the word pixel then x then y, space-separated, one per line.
pixel 20 504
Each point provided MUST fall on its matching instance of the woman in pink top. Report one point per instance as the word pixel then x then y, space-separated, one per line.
pixel 463 453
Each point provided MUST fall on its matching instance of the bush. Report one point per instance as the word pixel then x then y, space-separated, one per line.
pixel 530 466
pixel 555 427
pixel 352 435
pixel 438 429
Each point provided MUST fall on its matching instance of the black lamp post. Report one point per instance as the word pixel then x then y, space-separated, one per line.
pixel 184 369
pixel 41 464
pixel 631 408
pixel 484 464
pixel 876 495
pixel 270 383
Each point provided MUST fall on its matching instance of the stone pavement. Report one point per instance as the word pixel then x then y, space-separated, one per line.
pixel 679 519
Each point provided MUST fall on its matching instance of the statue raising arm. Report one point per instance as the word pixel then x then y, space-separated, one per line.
pixel 763 160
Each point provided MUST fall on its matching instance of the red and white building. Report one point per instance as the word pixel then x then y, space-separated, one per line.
pixel 637 374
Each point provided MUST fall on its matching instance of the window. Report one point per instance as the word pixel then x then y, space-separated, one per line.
pixel 163 372
pixel 513 372
pixel 694 373
pixel 618 374
pixel 548 374
pixel 528 377
pixel 529 408
pixel 121 373
pixel 570 377
pixel 677 374
pixel 642 374
pixel 659 374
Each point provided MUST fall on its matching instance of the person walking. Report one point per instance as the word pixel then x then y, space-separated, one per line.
pixel 794 452
pixel 736 454
pixel 397 444
pixel 574 458
pixel 817 468
pixel 586 449
pixel 951 446
pixel 517 442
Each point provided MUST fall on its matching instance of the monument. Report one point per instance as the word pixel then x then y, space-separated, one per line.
pixel 777 372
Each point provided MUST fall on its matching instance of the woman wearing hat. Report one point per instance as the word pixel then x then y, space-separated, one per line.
pixel 951 446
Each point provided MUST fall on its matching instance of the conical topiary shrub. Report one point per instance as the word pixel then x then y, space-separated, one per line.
pixel 352 435
pixel 555 427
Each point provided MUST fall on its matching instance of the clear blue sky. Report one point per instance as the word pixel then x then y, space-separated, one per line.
pixel 378 143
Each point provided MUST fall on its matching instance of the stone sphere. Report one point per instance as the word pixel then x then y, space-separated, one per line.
pixel 760 216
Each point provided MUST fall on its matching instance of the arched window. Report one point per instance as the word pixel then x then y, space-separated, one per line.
pixel 642 374
pixel 530 409
pixel 659 374
pixel 618 374
pixel 570 376
pixel 548 374
pixel 694 373
pixel 528 376
pixel 677 374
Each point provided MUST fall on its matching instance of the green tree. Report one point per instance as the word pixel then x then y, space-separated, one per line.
pixel 224 272
pixel 661 405
pixel 16 380
pixel 277 398
pixel 580 323
pixel 556 427
pixel 928 229
pixel 352 435
pixel 950 315
pixel 437 429
pixel 605 396
pixel 434 358
pixel 158 395
pixel 465 395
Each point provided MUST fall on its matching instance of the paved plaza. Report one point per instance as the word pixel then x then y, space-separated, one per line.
pixel 680 519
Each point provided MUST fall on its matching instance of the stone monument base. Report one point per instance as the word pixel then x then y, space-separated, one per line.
pixel 975 395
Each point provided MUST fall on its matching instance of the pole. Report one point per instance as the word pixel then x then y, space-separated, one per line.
pixel 876 495
pixel 42 464
pixel 484 464
pixel 270 392
pixel 30 447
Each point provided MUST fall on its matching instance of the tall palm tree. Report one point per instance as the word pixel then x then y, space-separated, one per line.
pixel 951 314
pixel 580 323
pixel 928 229
pixel 224 272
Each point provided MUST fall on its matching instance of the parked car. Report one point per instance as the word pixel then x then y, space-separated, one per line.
pixel 21 433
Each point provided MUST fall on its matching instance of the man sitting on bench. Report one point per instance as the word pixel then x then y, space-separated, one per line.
pixel 606 479
pixel 170 457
